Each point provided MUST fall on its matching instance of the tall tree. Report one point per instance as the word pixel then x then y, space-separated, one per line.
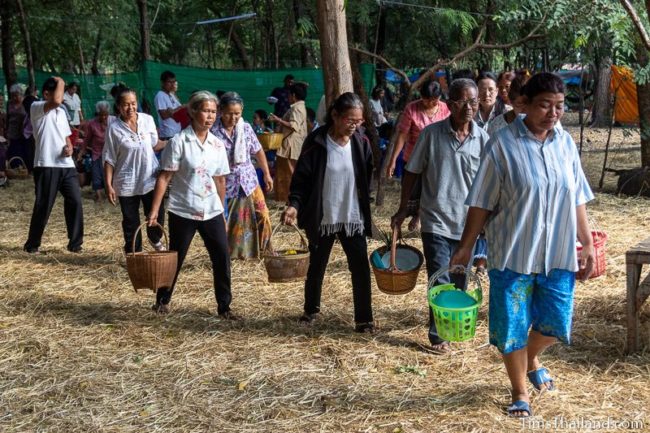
pixel 642 44
pixel 145 53
pixel 8 57
pixel 337 73
pixel 28 44
pixel 601 111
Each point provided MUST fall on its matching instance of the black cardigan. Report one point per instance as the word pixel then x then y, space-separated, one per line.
pixel 306 190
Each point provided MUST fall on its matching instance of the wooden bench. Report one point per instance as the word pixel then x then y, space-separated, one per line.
pixel 637 292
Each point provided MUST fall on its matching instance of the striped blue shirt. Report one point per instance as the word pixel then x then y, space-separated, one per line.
pixel 532 189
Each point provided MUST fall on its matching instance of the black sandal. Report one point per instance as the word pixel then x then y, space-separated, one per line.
pixel 365 328
pixel 160 308
pixel 307 319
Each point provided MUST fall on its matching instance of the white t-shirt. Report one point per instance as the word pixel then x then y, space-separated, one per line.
pixel 131 154
pixel 193 194
pixel 73 104
pixel 50 132
pixel 163 101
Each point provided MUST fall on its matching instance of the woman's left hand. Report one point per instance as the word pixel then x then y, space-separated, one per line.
pixel 268 183
pixel 586 262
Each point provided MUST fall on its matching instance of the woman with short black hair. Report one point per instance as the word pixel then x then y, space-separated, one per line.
pixel 249 221
pixel 198 163
pixel 416 116
pixel 330 198
pixel 130 168
pixel 530 193
pixel 489 105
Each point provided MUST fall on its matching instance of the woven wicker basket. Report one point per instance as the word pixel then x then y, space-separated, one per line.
pixel 393 281
pixel 284 268
pixel 270 141
pixel 19 172
pixel 151 269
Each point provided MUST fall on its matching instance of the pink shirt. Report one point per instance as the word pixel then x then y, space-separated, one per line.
pixel 94 138
pixel 414 119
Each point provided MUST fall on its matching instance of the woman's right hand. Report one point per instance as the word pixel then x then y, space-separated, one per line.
pixel 110 194
pixel 289 216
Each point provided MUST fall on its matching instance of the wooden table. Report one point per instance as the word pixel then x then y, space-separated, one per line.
pixel 637 292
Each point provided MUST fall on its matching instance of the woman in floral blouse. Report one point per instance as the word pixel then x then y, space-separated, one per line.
pixel 197 162
pixel 249 223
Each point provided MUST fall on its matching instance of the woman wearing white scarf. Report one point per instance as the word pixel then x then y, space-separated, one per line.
pixel 330 199
pixel 249 224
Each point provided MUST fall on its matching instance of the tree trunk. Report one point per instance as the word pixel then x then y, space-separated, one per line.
pixel 337 73
pixel 145 54
pixel 28 44
pixel 241 49
pixel 643 98
pixel 271 36
pixel 298 13
pixel 94 67
pixel 8 57
pixel 82 61
pixel 490 32
pixel 601 108
pixel 371 131
pixel 380 44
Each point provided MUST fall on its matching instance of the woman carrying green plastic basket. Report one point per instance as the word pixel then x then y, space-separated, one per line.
pixel 532 193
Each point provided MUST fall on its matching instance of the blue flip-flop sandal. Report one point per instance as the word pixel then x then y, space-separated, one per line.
pixel 540 377
pixel 519 406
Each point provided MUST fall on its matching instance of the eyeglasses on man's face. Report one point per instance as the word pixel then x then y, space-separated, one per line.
pixel 473 102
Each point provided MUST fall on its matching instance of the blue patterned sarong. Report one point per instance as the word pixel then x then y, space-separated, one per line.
pixel 519 301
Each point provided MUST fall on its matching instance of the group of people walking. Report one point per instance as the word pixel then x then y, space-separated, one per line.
pixel 518 189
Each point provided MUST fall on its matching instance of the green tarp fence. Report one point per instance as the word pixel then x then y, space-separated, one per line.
pixel 253 85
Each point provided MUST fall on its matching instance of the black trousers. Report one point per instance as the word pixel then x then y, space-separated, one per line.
pixel 131 220
pixel 213 232
pixel 356 250
pixel 48 181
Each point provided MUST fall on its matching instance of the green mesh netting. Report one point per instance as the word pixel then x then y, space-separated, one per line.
pixel 253 86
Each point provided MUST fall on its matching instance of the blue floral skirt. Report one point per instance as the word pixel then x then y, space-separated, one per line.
pixel 519 302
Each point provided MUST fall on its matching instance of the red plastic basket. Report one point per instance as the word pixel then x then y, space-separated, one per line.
pixel 600 241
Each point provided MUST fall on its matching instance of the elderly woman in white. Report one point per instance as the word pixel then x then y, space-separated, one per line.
pixel 130 167
pixel 198 163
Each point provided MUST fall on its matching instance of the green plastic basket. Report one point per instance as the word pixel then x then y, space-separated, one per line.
pixel 455 324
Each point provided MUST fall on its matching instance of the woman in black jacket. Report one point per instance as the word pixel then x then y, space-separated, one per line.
pixel 330 197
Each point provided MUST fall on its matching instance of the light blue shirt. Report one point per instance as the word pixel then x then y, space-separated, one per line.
pixel 193 193
pixel 532 189
pixel 448 168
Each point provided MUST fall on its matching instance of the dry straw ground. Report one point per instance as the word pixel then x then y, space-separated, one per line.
pixel 81 352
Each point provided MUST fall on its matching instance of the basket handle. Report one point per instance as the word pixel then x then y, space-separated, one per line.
pixel 144 224
pixel 455 269
pixel 393 249
pixel 593 224
pixel 22 162
pixel 303 241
